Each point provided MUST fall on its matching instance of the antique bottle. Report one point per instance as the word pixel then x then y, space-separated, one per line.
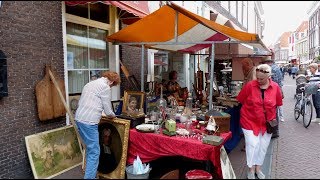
pixel 150 102
pixel 188 107
pixel 162 105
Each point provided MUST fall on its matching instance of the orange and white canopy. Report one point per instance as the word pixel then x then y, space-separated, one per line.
pixel 173 28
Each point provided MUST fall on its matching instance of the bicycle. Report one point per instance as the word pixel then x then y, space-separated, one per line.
pixel 303 106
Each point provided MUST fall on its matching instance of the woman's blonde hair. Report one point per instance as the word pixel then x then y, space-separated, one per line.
pixel 112 76
pixel 313 65
pixel 264 67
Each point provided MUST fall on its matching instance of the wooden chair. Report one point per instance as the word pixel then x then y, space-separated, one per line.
pixel 174 174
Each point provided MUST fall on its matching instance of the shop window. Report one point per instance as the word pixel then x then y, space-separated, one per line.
pixel 87 50
pixel 87 55
pixel 99 12
pixel 78 10
pixel 94 11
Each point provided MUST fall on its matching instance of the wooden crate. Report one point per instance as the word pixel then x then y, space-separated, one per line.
pixel 223 122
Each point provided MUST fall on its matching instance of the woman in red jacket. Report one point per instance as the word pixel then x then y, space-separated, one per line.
pixel 259 99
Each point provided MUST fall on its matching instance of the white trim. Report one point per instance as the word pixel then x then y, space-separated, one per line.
pixel 64 40
pixel 150 60
pixel 114 51
pixel 186 59
pixel 87 22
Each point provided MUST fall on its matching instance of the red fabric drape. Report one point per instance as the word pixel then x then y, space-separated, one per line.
pixel 151 146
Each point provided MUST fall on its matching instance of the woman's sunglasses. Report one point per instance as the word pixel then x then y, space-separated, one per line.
pixel 263 71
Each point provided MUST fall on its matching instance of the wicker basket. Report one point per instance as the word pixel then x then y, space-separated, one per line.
pixel 222 120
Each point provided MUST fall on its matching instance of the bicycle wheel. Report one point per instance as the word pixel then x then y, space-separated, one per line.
pixel 307 116
pixel 296 111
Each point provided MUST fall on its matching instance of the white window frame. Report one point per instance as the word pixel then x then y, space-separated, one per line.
pixel 113 50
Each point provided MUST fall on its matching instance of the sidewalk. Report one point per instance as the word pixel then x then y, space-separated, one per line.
pixel 238 160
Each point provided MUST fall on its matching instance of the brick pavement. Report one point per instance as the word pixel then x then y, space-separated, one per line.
pixel 297 150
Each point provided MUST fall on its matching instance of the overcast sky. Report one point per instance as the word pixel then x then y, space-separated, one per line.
pixel 282 16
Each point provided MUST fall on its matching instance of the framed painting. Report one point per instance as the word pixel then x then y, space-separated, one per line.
pixel 115 105
pixel 53 152
pixel 226 167
pixel 114 137
pixel 133 103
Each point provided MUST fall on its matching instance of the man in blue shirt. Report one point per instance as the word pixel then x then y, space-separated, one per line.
pixel 278 78
pixel 294 70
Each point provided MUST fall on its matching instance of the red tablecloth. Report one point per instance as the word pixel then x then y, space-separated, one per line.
pixel 151 146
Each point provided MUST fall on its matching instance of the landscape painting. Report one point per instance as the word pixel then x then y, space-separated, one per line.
pixel 53 152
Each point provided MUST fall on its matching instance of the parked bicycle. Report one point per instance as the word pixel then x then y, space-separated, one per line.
pixel 303 104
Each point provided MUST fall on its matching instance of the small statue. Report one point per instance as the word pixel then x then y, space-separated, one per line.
pixel 211 126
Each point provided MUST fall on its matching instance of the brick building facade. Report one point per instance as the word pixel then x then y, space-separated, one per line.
pixel 31 36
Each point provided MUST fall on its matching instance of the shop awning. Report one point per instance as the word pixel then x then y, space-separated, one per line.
pixel 192 32
pixel 138 8
pixel 220 19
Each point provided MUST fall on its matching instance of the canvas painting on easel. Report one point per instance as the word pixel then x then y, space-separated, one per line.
pixel 53 152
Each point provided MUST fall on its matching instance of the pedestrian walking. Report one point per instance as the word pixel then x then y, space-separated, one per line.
pixel 315 80
pixel 289 71
pixel 294 70
pixel 301 71
pixel 248 70
pixel 263 95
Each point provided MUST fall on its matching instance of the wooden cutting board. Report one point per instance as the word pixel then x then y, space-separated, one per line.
pixel 58 107
pixel 49 103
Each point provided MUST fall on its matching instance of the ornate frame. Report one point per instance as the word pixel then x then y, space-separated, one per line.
pixel 122 126
pixel 127 95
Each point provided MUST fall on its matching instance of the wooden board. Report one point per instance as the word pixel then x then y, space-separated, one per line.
pixel 49 103
pixel 58 107
pixel 44 100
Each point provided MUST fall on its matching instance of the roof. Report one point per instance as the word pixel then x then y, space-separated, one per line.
pixel 192 33
pixel 302 27
pixel 284 39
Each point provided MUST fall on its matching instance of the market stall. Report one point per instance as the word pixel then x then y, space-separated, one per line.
pixel 174 29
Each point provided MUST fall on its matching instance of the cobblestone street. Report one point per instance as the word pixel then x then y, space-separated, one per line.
pixel 296 153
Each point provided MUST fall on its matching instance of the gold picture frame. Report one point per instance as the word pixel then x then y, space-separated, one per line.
pixel 53 152
pixel 130 96
pixel 113 149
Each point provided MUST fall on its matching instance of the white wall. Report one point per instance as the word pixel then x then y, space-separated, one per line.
pixel 251 17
